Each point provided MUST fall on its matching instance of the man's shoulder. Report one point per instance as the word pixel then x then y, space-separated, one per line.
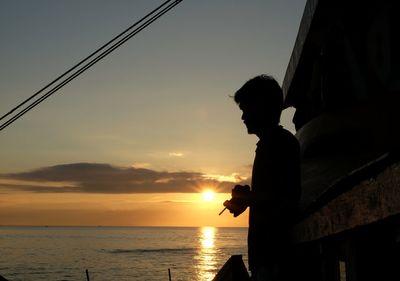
pixel 279 141
pixel 286 138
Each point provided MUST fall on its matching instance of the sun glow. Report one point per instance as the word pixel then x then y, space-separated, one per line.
pixel 208 195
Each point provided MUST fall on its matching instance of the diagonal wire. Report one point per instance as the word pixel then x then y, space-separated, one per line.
pixel 82 61
pixel 144 22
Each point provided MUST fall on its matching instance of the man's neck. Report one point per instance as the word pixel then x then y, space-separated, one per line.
pixel 267 131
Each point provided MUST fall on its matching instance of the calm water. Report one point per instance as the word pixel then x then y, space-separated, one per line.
pixel 117 253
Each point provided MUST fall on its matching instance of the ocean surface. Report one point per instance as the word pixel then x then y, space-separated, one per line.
pixel 117 253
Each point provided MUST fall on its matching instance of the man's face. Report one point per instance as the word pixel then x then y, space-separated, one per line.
pixel 253 117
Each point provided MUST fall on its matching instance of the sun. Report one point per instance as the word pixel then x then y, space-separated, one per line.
pixel 208 195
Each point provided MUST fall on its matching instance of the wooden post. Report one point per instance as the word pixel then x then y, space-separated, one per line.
pixel 87 275
pixel 350 249
pixel 169 274
pixel 330 261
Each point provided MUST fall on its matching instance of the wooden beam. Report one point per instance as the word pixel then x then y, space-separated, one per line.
pixel 370 201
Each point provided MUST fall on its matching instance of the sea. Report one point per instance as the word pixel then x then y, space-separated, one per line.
pixel 117 253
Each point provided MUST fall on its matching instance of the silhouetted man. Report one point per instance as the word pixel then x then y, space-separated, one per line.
pixel 275 187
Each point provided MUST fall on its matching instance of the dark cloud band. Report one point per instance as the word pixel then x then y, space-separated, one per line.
pixel 105 178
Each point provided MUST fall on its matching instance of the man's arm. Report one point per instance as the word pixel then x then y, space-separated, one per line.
pixel 240 200
pixel 281 196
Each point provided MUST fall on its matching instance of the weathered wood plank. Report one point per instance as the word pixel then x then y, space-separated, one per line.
pixel 370 201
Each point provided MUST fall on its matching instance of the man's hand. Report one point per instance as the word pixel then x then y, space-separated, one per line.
pixel 240 200
pixel 241 192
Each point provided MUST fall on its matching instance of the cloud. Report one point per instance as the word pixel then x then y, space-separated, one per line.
pixel 176 154
pixel 141 165
pixel 105 178
pixel 234 177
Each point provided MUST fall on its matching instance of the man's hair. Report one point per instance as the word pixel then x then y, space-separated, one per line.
pixel 265 90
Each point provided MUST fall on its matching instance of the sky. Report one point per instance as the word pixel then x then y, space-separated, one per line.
pixel 137 138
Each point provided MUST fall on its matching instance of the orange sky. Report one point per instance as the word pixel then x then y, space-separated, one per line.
pixel 136 139
pixel 162 209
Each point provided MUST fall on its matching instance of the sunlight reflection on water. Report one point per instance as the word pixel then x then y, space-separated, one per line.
pixel 117 253
pixel 207 254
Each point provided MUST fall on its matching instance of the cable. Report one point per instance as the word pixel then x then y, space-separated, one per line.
pixel 84 68
pixel 90 63
pixel 82 61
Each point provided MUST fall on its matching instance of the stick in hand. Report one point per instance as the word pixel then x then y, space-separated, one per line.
pixel 220 213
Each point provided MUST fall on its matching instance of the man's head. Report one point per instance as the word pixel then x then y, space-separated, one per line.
pixel 261 101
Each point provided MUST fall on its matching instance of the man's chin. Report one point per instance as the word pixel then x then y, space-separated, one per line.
pixel 250 131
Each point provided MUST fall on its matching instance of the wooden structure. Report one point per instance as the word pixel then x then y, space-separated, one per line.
pixel 344 81
pixel 233 270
